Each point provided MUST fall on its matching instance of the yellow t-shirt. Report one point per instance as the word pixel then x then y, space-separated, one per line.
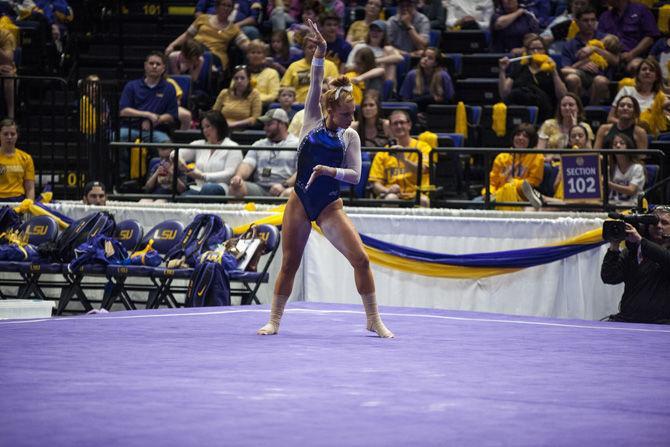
pixel 215 39
pixel 14 170
pixel 267 84
pixel 236 109
pixel 388 170
pixel 297 75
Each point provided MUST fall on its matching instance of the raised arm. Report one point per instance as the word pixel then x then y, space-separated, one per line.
pixel 312 106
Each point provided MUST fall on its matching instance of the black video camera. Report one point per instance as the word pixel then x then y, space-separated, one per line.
pixel 615 230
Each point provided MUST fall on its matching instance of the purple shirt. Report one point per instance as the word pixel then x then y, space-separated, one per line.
pixel 635 23
pixel 572 47
pixel 407 89
pixel 504 40
pixel 159 99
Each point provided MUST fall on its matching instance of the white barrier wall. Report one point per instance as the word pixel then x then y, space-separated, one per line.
pixel 570 288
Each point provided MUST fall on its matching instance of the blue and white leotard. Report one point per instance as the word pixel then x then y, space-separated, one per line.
pixel 321 146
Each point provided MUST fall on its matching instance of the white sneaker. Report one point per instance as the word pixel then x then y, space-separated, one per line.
pixel 532 195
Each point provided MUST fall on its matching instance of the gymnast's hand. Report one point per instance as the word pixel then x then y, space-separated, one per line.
pixel 318 39
pixel 318 171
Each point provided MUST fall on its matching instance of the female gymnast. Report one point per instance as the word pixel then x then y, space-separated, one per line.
pixel 329 151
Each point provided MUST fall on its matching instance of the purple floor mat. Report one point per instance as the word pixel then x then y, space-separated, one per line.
pixel 202 377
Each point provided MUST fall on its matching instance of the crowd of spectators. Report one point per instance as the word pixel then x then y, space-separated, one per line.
pixel 556 55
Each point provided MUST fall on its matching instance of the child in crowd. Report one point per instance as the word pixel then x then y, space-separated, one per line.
pixel 159 179
pixel 286 100
pixel 627 177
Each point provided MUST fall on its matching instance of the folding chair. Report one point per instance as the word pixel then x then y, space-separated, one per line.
pixel 162 278
pixel 129 233
pixel 251 281
pixel 164 235
pixel 39 229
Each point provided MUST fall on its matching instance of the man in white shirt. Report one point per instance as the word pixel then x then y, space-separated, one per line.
pixel 274 172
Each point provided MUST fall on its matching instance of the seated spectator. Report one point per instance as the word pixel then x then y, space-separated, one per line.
pixel 553 133
pixel 635 27
pixel 58 15
pixel 8 68
pixel 469 14
pixel 264 77
pixel 373 130
pixel 95 193
pixel 409 30
pixel 435 11
pixel 286 101
pixel 358 30
pixel 213 167
pixel 152 99
pixel 333 8
pixel 509 24
pixel 365 75
pixel 298 73
pixel 274 172
pixel 246 14
pixel 282 54
pixel 532 82
pixel 214 31
pixel 648 84
pixel 394 175
pixel 17 171
pixel 627 178
pixel 386 56
pixel 510 170
pixel 429 83
pixel 190 60
pixel 282 16
pixel 338 48
pixel 626 114
pixel 586 60
pixel 160 176
pixel 556 32
pixel 241 103
pixel 311 10
pixel 661 52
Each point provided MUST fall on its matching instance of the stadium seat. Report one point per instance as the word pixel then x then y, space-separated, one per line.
pixel 442 118
pixel 298 106
pixel 464 41
pixel 650 172
pixel 515 116
pixel 453 62
pixel 480 65
pixel 390 106
pixel 596 116
pixel 434 38
pixel 477 91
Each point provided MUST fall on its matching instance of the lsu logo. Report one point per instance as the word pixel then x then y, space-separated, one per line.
pixel 35 267
pixel 264 236
pixel 125 235
pixel 39 230
pixel 123 270
pixel 167 234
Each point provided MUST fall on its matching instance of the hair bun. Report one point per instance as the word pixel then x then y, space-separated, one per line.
pixel 340 81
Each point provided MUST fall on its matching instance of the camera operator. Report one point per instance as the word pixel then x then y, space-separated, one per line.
pixel 644 268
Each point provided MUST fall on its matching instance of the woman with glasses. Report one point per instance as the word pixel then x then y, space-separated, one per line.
pixel 329 152
pixel 534 81
pixel 215 32
pixel 240 104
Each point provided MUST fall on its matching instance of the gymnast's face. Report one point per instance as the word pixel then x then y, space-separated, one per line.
pixel 343 114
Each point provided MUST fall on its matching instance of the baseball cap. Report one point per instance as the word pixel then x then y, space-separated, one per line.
pixel 274 114
pixel 379 24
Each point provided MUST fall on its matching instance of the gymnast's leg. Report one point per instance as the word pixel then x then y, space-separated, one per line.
pixel 295 232
pixel 340 231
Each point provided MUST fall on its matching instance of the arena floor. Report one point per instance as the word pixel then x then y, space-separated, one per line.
pixel 202 377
